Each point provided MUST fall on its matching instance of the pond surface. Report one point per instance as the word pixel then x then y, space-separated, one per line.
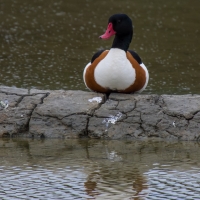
pixel 46 44
pixel 94 169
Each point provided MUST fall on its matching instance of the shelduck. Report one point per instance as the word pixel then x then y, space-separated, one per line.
pixel 117 69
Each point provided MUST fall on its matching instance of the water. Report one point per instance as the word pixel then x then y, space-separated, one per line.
pixel 94 169
pixel 46 44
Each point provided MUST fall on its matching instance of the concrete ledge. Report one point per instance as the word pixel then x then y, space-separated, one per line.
pixel 74 114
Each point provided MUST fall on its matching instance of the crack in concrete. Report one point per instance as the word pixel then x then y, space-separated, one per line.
pixel 165 111
pixel 156 126
pixel 195 113
pixel 92 114
pixel 138 108
pixel 42 101
pixel 25 127
pixel 171 134
pixel 115 108
pixel 142 128
pixel 87 125
pixel 60 119
pixel 131 109
pixel 11 93
pixel 19 101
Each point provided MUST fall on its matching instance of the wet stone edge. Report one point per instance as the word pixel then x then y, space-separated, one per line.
pixel 77 114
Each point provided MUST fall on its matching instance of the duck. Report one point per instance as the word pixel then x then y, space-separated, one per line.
pixel 118 69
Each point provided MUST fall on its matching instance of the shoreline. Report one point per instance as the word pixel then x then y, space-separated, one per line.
pixel 80 114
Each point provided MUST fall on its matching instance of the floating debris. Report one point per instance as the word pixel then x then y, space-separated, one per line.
pixel 97 99
pixel 4 104
pixel 112 119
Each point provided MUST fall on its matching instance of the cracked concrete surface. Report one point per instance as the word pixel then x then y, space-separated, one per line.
pixel 15 119
pixel 70 114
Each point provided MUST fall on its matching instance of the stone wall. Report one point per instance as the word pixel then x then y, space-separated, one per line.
pixel 74 114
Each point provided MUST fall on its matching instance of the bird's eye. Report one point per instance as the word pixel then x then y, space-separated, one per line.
pixel 118 21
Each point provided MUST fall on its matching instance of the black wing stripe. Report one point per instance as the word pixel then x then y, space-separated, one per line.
pixel 96 55
pixel 136 56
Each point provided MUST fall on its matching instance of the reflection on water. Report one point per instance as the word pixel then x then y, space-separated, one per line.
pixel 46 44
pixel 93 169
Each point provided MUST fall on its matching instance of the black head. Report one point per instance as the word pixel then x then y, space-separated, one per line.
pixel 122 24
